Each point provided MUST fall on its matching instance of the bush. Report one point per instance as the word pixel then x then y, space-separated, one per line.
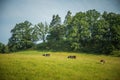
pixel 42 46
pixel 116 53
pixel 6 49
pixel 2 47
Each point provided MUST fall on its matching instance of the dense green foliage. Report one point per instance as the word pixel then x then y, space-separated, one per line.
pixel 88 31
pixel 2 47
pixel 40 31
pixel 22 37
pixel 31 65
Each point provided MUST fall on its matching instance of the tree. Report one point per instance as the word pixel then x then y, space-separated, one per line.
pixel 21 36
pixel 40 31
pixel 101 37
pixel 78 31
pixel 114 22
pixel 54 26
pixel 68 18
pixel 67 24
pixel 56 20
pixel 2 47
pixel 6 49
pixel 92 16
pixel 87 31
pixel 56 33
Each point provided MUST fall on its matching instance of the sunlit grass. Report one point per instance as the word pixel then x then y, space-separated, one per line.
pixel 31 65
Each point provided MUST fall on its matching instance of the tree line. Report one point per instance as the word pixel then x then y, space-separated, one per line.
pixel 89 31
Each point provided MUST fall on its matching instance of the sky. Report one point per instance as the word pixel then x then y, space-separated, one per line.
pixel 35 11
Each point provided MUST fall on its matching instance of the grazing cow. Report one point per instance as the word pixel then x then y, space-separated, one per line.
pixel 102 61
pixel 72 57
pixel 46 54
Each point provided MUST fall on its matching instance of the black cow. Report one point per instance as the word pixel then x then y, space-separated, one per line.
pixel 72 57
pixel 46 54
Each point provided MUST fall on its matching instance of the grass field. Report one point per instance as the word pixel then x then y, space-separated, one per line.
pixel 31 65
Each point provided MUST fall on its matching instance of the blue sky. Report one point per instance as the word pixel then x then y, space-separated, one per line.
pixel 35 11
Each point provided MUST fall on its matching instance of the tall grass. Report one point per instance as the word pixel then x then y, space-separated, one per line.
pixel 31 65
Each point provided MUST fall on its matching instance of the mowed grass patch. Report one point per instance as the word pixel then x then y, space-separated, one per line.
pixel 31 65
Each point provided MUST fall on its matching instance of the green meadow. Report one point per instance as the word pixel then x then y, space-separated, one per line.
pixel 31 65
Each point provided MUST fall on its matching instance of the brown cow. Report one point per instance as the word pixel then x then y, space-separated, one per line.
pixel 72 57
pixel 102 61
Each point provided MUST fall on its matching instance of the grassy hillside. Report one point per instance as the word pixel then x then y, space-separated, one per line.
pixel 31 65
